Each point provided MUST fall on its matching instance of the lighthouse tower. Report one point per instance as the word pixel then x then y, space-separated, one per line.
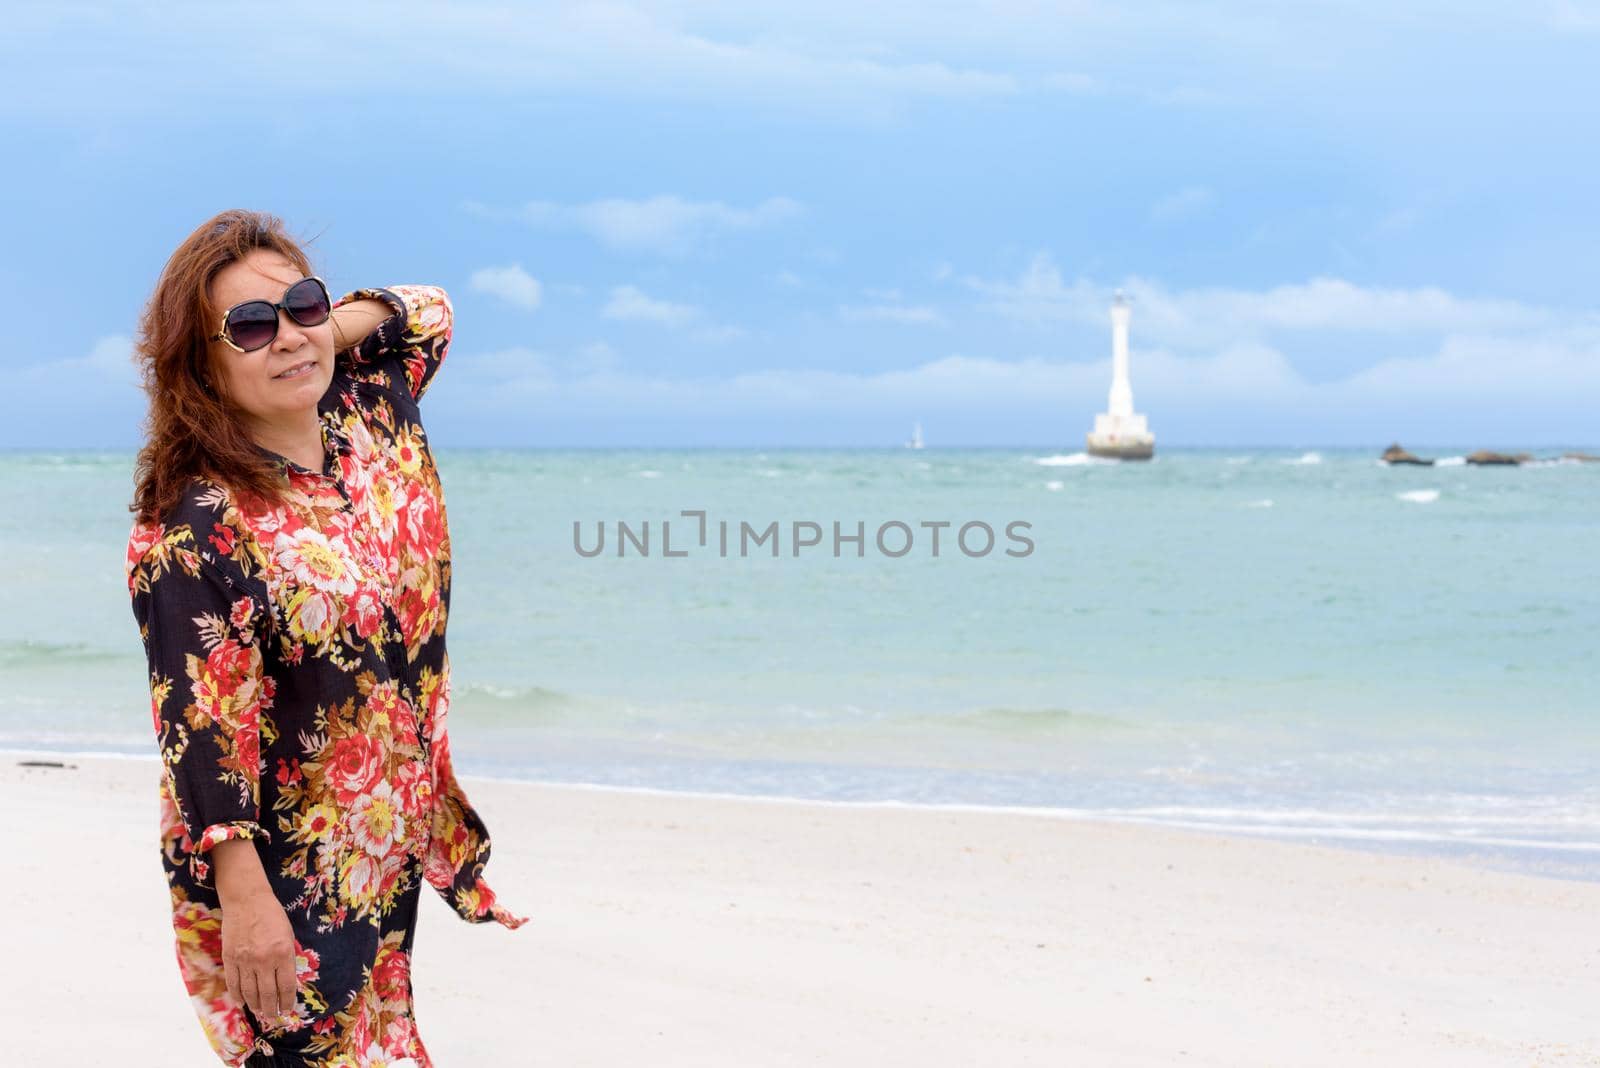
pixel 1119 431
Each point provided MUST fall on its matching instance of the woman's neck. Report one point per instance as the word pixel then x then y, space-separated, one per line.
pixel 298 437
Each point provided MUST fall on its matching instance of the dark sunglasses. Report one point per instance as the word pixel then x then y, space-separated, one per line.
pixel 254 324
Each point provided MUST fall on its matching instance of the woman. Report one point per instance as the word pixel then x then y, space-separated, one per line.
pixel 290 573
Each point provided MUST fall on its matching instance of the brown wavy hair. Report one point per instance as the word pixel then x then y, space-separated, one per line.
pixel 193 429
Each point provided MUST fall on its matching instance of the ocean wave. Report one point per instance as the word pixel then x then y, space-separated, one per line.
pixel 1450 461
pixel 1426 496
pixel 1001 719
pixel 1304 459
pixel 26 651
pixel 1397 834
pixel 1054 485
pixel 511 693
pixel 1076 459
pixel 1424 812
pixel 1265 502
pixel 520 704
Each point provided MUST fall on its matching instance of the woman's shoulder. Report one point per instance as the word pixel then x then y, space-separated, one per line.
pixel 204 528
pixel 370 393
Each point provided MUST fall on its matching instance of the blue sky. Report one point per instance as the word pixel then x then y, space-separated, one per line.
pixel 741 224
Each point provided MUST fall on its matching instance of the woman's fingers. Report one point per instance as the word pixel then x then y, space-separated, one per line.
pixel 252 994
pixel 286 986
pixel 267 987
pixel 230 975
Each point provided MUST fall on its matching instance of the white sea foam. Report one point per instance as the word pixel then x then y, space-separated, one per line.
pixel 1427 496
pixel 1423 810
pixel 1265 502
pixel 1306 458
pixel 1450 461
pixel 1054 485
pixel 1076 459
pixel 649 474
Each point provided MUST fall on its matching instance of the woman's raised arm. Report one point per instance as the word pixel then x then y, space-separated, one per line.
pixel 412 341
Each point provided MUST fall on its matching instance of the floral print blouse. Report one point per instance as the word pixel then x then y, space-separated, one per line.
pixel 299 694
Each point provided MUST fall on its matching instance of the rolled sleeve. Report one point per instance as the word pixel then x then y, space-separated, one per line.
pixel 209 692
pixel 411 344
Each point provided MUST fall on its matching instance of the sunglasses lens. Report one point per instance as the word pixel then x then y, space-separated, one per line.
pixel 307 302
pixel 253 325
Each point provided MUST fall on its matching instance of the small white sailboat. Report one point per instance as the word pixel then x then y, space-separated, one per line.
pixel 916 437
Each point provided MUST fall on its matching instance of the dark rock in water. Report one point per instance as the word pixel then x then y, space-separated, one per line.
pixel 1582 457
pixel 1131 451
pixel 1484 457
pixel 1394 454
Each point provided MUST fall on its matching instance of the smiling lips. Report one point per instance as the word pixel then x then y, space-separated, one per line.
pixel 299 370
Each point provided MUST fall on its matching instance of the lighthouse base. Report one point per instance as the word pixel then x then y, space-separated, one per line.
pixel 1121 437
pixel 1121 450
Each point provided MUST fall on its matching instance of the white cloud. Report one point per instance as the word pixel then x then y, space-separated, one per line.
pixel 1240 394
pixel 526 368
pixel 516 363
pixel 511 284
pixel 1037 294
pixel 663 224
pixel 1187 96
pixel 1574 16
pixel 109 363
pixel 1556 369
pixel 1541 386
pixel 720 334
pixel 638 47
pixel 861 62
pixel 1209 366
pixel 1190 200
pixel 630 303
pixel 595 356
pixel 911 315
pixel 100 389
pixel 1070 82
pixel 1212 317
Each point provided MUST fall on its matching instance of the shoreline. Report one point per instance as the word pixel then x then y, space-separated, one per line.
pixel 1478 854
pixel 708 931
pixel 1488 854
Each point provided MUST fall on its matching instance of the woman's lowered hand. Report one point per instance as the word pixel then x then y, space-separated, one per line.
pixel 258 949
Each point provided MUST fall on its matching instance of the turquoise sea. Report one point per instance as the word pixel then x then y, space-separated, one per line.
pixel 1302 644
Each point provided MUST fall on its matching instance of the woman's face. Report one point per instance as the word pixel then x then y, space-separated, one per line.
pixel 291 373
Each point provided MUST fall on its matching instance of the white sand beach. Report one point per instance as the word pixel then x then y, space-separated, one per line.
pixel 682 930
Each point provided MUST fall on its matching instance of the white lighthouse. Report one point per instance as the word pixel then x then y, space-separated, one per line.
pixel 1119 431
